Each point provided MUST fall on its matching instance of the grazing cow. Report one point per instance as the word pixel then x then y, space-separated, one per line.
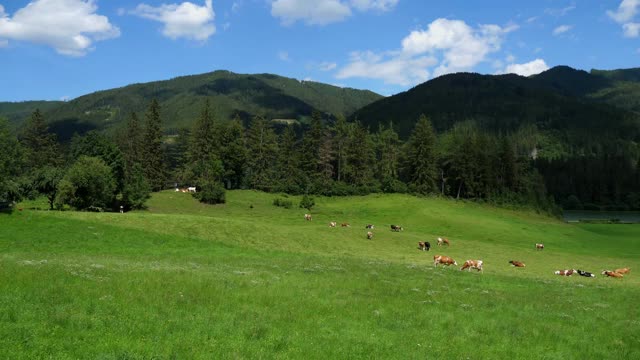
pixel 610 273
pixel 442 241
pixel 424 245
pixel 177 190
pixel 396 228
pixel 472 264
pixel 516 263
pixel 333 224
pixel 539 246
pixel 369 235
pixel 565 272
pixel 191 189
pixel 444 260
pixel 307 217
pixel 622 271
pixel 184 190
pixel 345 225
pixel 369 226
pixel 585 273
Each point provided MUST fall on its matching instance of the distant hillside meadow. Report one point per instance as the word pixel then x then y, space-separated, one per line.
pixel 248 279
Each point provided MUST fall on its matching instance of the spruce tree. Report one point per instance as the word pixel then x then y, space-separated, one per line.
pixel 289 173
pixel 262 147
pixel 152 151
pixel 233 153
pixel 11 163
pixel 419 163
pixel 40 146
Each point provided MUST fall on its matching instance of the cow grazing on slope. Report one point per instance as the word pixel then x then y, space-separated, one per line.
pixel 472 264
pixel 191 189
pixel 622 271
pixel 396 228
pixel 444 260
pixel 610 273
pixel 565 272
pixel 424 245
pixel 369 226
pixel 442 241
pixel 307 217
pixel 539 246
pixel 345 225
pixel 333 224
pixel 369 235
pixel 516 263
pixel 585 273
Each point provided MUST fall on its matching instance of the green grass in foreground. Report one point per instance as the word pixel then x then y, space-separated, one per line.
pixel 185 280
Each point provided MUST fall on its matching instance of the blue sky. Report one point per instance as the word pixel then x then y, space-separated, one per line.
pixel 62 49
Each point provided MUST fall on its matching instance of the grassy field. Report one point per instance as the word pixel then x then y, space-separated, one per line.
pixel 250 280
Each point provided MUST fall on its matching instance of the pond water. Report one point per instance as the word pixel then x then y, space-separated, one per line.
pixel 618 216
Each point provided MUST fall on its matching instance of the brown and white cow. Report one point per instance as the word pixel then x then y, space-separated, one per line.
pixel 424 245
pixel 333 224
pixel 369 226
pixel 472 264
pixel 345 225
pixel 396 228
pixel 610 273
pixel 307 217
pixel 516 263
pixel 369 235
pixel 442 241
pixel 565 272
pixel 444 260
pixel 622 271
pixel 539 246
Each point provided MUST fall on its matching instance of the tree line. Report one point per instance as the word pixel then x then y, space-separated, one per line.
pixel 331 157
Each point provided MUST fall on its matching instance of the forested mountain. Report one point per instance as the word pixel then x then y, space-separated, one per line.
pixel 17 112
pixel 580 129
pixel 230 94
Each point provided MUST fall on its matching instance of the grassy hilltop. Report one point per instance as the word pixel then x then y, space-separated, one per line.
pixel 250 280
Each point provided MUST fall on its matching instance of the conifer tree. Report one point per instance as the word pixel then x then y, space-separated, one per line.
pixel 262 147
pixel 233 153
pixel 419 163
pixel 11 162
pixel 40 146
pixel 387 157
pixel 152 151
pixel 289 171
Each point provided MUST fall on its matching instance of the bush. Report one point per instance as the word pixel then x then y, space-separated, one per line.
pixel 280 202
pixel 307 202
pixel 88 184
pixel 211 193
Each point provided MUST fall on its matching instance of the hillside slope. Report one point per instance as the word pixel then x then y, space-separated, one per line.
pixel 17 112
pixel 182 98
pixel 501 103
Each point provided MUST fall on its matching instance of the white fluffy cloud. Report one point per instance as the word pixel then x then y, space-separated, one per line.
pixel 631 29
pixel 69 26
pixel 626 11
pixel 624 15
pixel 452 45
pixel 533 67
pixel 561 29
pixel 327 66
pixel 391 68
pixel 322 12
pixel 186 20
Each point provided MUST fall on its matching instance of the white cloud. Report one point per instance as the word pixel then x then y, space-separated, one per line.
pixel 327 66
pixel 560 12
pixel 186 20
pixel 69 26
pixel 452 45
pixel 533 67
pixel 322 12
pixel 626 11
pixel 462 46
pixel 283 55
pixel 391 68
pixel 631 30
pixel 561 29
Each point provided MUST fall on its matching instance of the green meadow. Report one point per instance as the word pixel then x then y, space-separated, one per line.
pixel 248 280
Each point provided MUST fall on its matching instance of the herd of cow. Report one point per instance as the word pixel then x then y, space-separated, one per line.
pixel 477 264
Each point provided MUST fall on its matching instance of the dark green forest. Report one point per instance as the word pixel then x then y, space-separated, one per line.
pixel 553 139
